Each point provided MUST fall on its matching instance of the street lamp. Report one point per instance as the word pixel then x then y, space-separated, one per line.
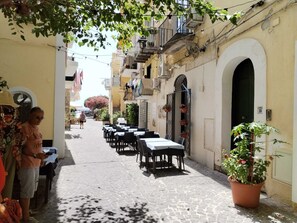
pixel 142 42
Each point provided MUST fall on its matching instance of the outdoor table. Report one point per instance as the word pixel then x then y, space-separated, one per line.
pixel 132 130
pixel 119 137
pixel 164 147
pixel 48 169
pixel 147 140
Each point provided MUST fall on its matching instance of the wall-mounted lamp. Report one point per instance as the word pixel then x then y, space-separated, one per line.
pixel 161 47
pixel 142 42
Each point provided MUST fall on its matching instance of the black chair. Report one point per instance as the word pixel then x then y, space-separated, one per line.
pixel 150 134
pixel 129 139
pixel 182 142
pixel 143 152
pixel 167 136
pixel 141 129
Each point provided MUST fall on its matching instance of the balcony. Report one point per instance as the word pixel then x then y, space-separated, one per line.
pixel 143 87
pixel 147 46
pixel 173 33
pixel 129 67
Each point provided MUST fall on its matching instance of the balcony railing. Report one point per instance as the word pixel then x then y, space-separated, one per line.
pixel 143 87
pixel 150 47
pixel 172 30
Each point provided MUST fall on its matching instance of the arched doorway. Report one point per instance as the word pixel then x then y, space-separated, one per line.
pixel 178 122
pixel 245 49
pixel 243 93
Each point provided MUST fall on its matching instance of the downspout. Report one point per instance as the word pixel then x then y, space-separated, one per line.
pixel 294 153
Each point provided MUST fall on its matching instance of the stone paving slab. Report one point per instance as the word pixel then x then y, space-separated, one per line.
pixel 96 184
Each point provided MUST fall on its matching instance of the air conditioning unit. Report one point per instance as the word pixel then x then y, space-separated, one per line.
pixel 156 83
pixel 196 20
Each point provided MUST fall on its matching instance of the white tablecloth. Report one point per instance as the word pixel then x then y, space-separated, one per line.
pixel 164 145
pixel 155 140
pixel 137 133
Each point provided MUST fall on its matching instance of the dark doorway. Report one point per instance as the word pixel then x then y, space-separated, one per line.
pixel 243 94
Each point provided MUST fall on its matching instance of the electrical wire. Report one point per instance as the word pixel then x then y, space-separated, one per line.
pixel 235 27
pixel 80 55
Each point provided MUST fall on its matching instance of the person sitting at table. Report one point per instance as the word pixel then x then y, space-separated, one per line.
pixel 32 158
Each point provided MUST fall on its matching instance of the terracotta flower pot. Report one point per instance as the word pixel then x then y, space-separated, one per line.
pixel 183 108
pixel 184 135
pixel 166 108
pixel 245 195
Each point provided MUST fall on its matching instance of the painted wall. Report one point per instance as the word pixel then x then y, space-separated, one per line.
pixel 30 65
pixel 267 37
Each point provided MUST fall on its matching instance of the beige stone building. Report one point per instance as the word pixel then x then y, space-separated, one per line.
pixel 225 75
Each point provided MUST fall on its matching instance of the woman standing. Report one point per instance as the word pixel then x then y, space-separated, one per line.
pixel 32 157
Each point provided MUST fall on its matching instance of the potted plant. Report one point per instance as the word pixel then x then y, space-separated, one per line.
pixel 183 122
pixel 166 108
pixel 184 135
pixel 245 168
pixel 183 108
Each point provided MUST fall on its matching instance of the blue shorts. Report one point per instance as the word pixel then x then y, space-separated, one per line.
pixel 28 181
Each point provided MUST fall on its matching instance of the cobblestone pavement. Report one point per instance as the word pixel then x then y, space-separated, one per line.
pixel 96 184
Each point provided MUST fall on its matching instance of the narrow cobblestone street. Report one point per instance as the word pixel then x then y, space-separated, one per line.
pixel 96 184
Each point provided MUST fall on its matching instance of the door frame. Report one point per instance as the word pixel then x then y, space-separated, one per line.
pixel 227 62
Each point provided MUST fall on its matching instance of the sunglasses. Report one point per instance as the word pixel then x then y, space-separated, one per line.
pixel 39 118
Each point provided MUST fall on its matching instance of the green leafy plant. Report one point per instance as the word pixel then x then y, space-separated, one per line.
pixel 132 114
pixel 86 21
pixel 115 116
pixel 244 164
pixel 103 114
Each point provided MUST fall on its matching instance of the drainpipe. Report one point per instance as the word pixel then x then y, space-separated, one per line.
pixel 294 153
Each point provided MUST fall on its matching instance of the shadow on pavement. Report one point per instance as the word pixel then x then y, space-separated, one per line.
pixel 72 136
pixel 87 207
pixel 268 213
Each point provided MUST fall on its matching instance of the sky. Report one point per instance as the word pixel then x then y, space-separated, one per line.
pixel 95 69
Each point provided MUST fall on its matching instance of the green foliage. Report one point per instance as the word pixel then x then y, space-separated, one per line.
pixel 242 164
pixel 86 21
pixel 103 114
pixel 132 111
pixel 115 116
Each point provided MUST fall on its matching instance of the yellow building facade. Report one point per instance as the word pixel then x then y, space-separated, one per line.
pixel 36 68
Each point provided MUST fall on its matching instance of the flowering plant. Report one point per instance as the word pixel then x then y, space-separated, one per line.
pixel 183 108
pixel 242 164
pixel 166 108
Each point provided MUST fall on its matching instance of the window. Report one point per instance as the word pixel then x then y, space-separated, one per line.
pixel 148 71
pixel 24 101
